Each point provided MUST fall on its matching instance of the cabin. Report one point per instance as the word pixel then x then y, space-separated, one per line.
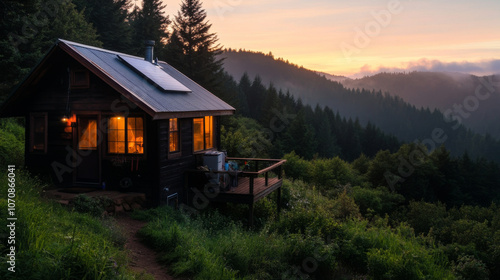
pixel 100 119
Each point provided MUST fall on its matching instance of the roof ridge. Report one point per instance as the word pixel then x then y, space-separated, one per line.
pixel 71 43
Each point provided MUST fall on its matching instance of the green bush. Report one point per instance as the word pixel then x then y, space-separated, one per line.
pixel 468 267
pixel 331 173
pixel 11 143
pixel 380 201
pixel 93 206
pixel 297 168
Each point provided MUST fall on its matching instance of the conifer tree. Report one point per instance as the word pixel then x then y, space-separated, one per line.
pixel 110 19
pixel 150 23
pixel 23 43
pixel 193 49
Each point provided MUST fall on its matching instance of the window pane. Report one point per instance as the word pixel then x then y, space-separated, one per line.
pixel 173 125
pixel 198 134
pixel 135 136
pixel 174 142
pixel 87 129
pixel 174 139
pixel 116 135
pixel 120 147
pixel 120 123
pixel 139 124
pixel 121 135
pixel 209 140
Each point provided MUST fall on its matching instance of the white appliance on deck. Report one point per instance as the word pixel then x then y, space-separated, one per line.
pixel 215 161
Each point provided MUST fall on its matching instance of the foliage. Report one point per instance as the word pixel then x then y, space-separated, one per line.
pixel 32 28
pixel 52 243
pixel 193 49
pixel 93 206
pixel 11 143
pixel 110 19
pixel 469 267
pixel 242 137
pixel 149 23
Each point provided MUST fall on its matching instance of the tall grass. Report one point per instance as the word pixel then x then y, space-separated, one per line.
pixel 53 243
pixel 315 238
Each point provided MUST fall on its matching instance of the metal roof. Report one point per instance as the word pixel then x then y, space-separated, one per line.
pixel 185 99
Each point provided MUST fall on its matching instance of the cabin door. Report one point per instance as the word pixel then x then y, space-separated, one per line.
pixel 88 167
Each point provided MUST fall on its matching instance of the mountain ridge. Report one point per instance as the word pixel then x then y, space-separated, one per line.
pixel 432 90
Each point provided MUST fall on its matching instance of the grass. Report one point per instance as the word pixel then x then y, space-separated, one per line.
pixel 315 238
pixel 54 243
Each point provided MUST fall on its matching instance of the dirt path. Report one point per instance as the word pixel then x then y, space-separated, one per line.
pixel 142 258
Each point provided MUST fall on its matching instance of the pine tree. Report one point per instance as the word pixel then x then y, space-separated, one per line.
pixel 192 49
pixel 29 29
pixel 150 23
pixel 110 19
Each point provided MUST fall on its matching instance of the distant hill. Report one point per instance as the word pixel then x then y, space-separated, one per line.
pixel 420 89
pixel 301 82
pixel 442 91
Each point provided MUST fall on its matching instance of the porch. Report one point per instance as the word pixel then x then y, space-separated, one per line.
pixel 252 181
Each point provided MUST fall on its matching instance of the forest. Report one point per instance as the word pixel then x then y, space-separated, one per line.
pixel 360 201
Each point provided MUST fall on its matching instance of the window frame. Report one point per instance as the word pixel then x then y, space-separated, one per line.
pixel 43 115
pixel 83 84
pixel 126 141
pixel 212 132
pixel 178 152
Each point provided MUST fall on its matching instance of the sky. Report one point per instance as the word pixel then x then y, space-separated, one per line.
pixel 362 37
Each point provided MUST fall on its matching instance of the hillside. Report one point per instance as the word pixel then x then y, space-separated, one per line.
pixel 420 89
pixel 390 113
pixel 441 91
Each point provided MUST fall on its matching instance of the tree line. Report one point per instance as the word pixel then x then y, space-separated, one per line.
pixel 29 28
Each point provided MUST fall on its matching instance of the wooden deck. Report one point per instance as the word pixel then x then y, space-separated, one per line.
pixel 252 185
pixel 242 194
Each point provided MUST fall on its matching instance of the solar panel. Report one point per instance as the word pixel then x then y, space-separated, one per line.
pixel 154 74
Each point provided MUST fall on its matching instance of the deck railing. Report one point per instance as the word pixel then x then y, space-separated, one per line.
pixel 250 169
pixel 273 166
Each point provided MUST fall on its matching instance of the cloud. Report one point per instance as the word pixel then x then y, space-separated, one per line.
pixel 480 68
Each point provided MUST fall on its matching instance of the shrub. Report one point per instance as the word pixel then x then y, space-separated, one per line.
pixel 330 173
pixel 297 168
pixel 93 206
pixel 380 200
pixel 468 267
pixel 11 143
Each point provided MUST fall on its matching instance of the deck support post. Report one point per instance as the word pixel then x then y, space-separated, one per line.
pixel 250 214
pixel 251 185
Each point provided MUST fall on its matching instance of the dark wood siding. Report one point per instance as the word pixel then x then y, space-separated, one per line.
pixel 49 95
pixel 172 170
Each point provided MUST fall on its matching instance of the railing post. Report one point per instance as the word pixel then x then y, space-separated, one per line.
pixel 267 178
pixel 256 166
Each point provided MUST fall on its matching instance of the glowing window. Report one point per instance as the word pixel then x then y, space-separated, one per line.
pixel 174 139
pixel 209 139
pixel 125 135
pixel 135 136
pixel 203 136
pixel 87 134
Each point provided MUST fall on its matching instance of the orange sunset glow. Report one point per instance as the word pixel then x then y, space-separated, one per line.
pixel 350 37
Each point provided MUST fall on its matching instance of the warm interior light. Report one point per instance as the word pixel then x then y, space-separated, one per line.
pixel 119 118
pixel 64 118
